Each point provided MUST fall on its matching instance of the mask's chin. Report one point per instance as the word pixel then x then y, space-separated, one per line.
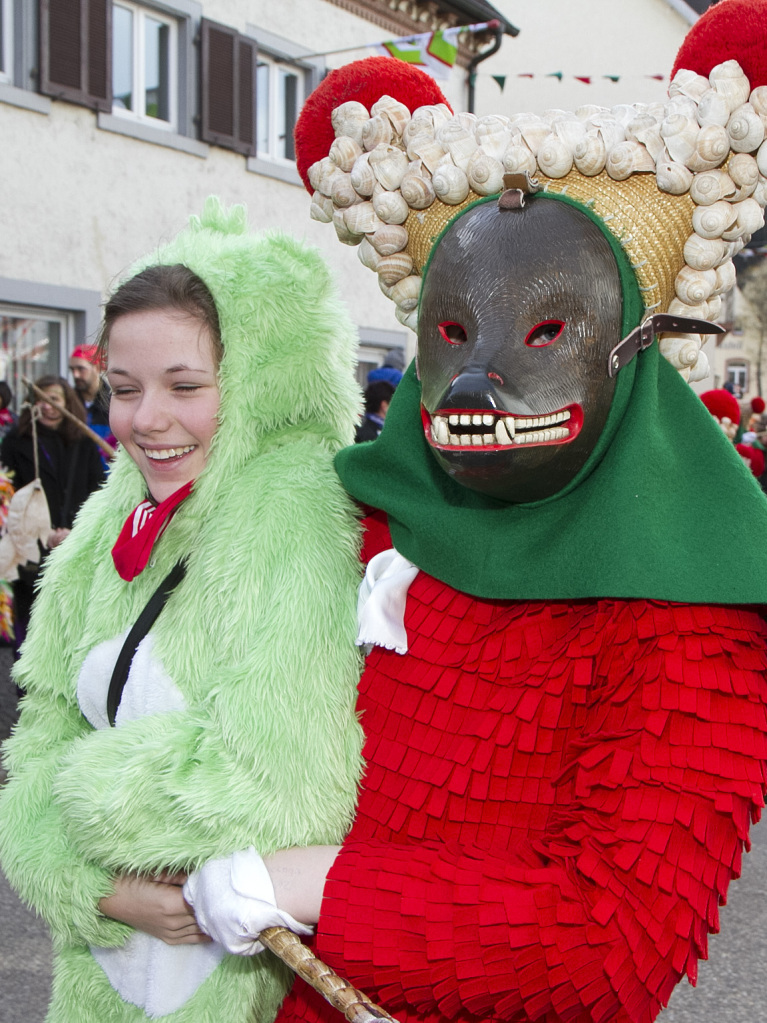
pixel 512 458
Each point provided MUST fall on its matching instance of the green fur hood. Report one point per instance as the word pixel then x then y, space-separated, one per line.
pixel 258 639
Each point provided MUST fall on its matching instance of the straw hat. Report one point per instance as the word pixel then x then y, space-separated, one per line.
pixel 681 185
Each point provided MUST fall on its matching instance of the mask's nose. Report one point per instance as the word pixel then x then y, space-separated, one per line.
pixel 472 388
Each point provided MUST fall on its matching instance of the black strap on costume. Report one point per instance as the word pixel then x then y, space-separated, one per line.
pixel 144 623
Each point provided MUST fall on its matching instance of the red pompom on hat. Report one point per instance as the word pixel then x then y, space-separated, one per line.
pixel 722 405
pixel 365 81
pixel 757 405
pixel 753 456
pixel 730 30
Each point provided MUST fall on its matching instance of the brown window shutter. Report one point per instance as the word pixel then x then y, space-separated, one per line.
pixel 75 51
pixel 228 88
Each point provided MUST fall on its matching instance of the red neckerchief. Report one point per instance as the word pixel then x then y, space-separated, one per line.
pixel 143 527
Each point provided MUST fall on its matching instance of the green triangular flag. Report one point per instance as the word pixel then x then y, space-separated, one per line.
pixel 501 79
pixel 613 78
pixel 554 74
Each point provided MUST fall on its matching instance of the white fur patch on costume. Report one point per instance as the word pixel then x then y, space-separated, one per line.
pixel 148 690
pixel 156 977
pixel 381 601
pixel 146 972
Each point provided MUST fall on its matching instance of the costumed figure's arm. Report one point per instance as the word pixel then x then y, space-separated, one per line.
pixel 63 884
pixel 268 749
pixel 614 903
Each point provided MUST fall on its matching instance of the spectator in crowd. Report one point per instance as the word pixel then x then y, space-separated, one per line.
pixel 68 465
pixel 86 368
pixel 391 370
pixel 378 395
pixel 8 417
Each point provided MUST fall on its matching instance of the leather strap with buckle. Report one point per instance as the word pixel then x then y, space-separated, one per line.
pixel 641 337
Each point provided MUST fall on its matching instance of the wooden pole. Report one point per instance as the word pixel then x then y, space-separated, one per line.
pixel 342 995
pixel 105 446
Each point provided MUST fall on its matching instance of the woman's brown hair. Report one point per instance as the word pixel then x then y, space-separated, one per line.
pixel 68 430
pixel 163 287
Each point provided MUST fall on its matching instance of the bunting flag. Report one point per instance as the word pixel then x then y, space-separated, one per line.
pixel 584 79
pixel 500 79
pixel 434 52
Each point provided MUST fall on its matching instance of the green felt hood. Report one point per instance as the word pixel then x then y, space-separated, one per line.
pixel 664 508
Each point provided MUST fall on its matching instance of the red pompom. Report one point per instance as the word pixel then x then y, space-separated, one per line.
pixel 364 81
pixel 730 30
pixel 720 403
pixel 757 405
pixel 753 456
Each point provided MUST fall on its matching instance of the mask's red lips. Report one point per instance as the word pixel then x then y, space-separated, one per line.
pixel 494 431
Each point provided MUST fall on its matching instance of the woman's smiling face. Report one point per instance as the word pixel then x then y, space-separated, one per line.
pixel 163 374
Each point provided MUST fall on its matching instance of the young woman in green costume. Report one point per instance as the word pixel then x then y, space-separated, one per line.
pixel 230 362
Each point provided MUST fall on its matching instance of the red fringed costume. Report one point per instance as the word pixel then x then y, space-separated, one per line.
pixel 553 807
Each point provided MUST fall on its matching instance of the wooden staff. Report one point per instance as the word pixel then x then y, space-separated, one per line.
pixel 105 446
pixel 355 1005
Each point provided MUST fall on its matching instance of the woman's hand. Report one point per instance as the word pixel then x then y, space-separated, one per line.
pixel 56 536
pixel 155 906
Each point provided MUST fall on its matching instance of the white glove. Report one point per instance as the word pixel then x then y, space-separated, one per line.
pixel 233 901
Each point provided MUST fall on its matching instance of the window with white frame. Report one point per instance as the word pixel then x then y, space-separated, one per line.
pixel 737 375
pixel 33 342
pixel 280 91
pixel 6 40
pixel 144 64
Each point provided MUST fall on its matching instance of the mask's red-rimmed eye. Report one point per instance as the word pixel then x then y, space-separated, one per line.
pixel 544 333
pixel 452 332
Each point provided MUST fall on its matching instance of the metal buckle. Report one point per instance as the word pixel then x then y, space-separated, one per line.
pixel 641 337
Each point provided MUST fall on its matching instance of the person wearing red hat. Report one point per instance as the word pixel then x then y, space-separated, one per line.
pixel 85 365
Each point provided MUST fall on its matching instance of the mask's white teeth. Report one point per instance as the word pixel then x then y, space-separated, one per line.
pixel 453 420
pixel 440 430
pixel 504 431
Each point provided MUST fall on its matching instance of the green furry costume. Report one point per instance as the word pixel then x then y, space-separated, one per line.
pixel 258 639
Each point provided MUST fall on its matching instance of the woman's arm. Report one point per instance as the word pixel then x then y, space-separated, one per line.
pixel 156 907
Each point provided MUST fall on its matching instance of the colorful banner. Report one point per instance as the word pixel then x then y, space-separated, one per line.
pixel 434 52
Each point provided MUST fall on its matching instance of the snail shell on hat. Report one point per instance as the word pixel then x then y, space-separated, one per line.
pixel 628 158
pixel 535 133
pixel 713 109
pixel 681 350
pixel 368 255
pixel 493 136
pixel 375 132
pixel 758 100
pixel 390 206
pixel 699 311
pixel 703 253
pixel 744 171
pixel 710 186
pixel 466 120
pixel 701 368
pixel 396 113
pixel 321 175
pixel 712 148
pixel 342 231
pixel 612 131
pixel 690 84
pixel 406 292
pixel 590 155
pixel 349 119
pixel 673 177
pixel 750 216
pixel 588 110
pixel 450 183
pixel 427 149
pixel 342 191
pixel 344 152
pixel 680 134
pixel 389 165
pixel 416 188
pixel 555 158
pixel 389 239
pixel 570 131
pixel 694 286
pixel 408 319
pixel 459 143
pixel 362 218
pixel 485 174
pixel 714 220
pixel 730 82
pixel 322 208
pixel 518 159
pixel 362 177
pixel 745 129
pixel 725 277
pixel 646 130
pixel 395 267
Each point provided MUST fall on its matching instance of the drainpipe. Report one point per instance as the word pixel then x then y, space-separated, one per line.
pixel 483 56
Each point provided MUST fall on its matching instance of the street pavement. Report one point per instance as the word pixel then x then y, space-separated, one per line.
pixel 729 986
